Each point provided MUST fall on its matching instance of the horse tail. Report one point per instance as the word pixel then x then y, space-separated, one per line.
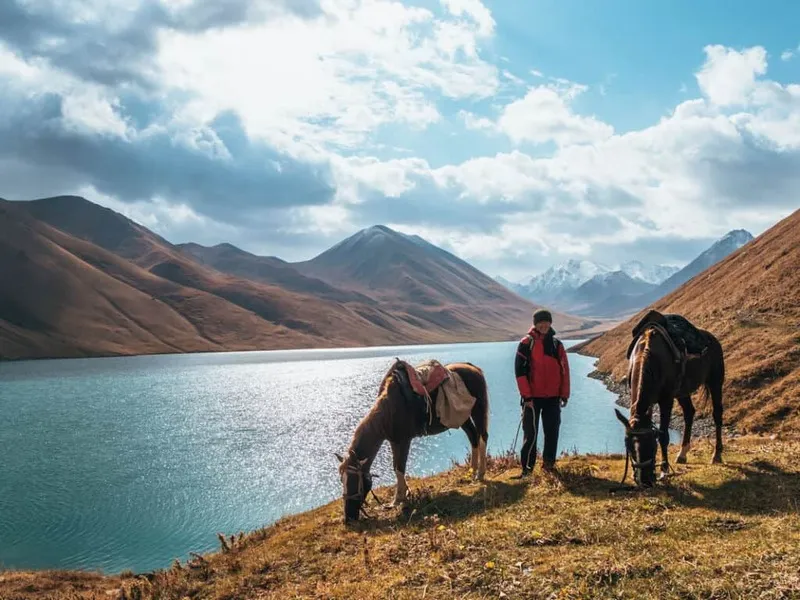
pixel 712 386
pixel 481 414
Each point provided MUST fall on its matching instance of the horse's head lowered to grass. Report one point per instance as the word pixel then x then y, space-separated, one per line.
pixel 356 484
pixel 641 446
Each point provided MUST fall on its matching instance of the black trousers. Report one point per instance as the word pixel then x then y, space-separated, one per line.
pixel 550 411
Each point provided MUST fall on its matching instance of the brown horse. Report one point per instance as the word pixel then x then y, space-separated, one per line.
pixel 658 372
pixel 398 416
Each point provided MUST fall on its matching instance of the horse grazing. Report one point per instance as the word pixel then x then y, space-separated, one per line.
pixel 668 358
pixel 399 415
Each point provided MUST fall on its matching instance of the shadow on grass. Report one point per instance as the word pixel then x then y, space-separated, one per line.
pixel 756 488
pixel 445 506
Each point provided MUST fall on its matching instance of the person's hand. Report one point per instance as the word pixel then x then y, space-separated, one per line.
pixel 528 403
pixel 563 402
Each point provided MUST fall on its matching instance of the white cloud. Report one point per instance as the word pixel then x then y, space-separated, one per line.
pixel 177 221
pixel 544 115
pixel 322 87
pixel 696 174
pixel 87 108
pixel 728 76
pixel 475 10
pixel 311 86
pixel 513 78
pixel 472 121
pixel 787 55
pixel 90 112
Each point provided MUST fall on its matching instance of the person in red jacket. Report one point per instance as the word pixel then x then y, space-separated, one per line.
pixel 542 373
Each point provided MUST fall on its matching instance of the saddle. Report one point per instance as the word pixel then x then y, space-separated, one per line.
pixel 681 333
pixel 683 338
pixel 453 402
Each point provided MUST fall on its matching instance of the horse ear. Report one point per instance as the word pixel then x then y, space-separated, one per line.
pixel 622 419
pixel 339 456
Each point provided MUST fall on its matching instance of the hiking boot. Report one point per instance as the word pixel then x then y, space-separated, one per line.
pixel 523 475
pixel 549 468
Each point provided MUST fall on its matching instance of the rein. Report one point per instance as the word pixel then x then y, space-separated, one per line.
pixel 678 358
pixel 629 455
pixel 360 495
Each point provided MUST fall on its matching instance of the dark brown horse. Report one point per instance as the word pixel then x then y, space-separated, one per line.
pixel 398 416
pixel 660 371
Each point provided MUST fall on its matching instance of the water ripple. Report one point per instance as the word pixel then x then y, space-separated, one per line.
pixel 132 462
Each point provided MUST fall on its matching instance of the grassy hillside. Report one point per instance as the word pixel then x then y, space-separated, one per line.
pixel 725 531
pixel 81 280
pixel 751 301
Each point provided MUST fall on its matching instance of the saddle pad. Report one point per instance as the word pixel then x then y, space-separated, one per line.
pixel 680 328
pixel 684 334
pixel 454 402
pixel 432 374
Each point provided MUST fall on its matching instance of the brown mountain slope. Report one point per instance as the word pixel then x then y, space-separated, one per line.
pixel 79 279
pixel 327 319
pixel 751 301
pixel 65 297
pixel 414 290
pixel 60 296
pixel 227 258
pixel 413 276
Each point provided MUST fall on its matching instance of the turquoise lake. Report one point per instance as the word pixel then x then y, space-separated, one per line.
pixel 129 463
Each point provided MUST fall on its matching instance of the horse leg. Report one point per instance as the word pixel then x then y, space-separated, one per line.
pixel 688 419
pixel 665 410
pixel 400 457
pixel 716 400
pixel 472 433
pixel 480 417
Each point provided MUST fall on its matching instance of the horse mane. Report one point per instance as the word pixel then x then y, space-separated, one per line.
pixel 643 365
pixel 652 316
pixel 370 428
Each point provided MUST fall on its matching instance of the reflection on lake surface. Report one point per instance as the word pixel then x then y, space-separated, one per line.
pixel 118 463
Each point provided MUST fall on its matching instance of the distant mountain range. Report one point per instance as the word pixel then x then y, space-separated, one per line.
pixel 747 293
pixel 78 279
pixel 587 288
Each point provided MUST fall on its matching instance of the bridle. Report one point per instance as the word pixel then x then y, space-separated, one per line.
pixel 361 495
pixel 630 436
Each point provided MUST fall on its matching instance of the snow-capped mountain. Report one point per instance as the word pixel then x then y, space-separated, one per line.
pixel 607 293
pixel 654 274
pixel 585 288
pixel 563 277
pixel 730 242
pixel 512 285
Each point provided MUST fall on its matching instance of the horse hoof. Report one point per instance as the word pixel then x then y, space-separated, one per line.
pixel 681 460
pixel 716 460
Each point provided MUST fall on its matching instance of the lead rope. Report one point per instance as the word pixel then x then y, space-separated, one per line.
pixel 519 425
pixel 627 459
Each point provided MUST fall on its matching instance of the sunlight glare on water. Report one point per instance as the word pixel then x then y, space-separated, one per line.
pixel 129 463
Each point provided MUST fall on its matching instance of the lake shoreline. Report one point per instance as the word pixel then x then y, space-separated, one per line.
pixel 702 426
pixel 571 335
pixel 440 546
pixel 178 420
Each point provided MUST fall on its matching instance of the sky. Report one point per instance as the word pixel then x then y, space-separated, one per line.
pixel 515 134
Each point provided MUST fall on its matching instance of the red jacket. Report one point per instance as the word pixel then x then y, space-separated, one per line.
pixel 541 375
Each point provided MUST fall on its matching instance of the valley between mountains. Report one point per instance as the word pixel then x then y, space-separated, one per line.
pixel 80 280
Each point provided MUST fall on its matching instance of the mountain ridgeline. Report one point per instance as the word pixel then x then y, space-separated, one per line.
pixel 78 279
pixel 750 300
pixel 594 290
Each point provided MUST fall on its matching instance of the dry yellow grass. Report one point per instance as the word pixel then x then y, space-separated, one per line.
pixel 729 531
